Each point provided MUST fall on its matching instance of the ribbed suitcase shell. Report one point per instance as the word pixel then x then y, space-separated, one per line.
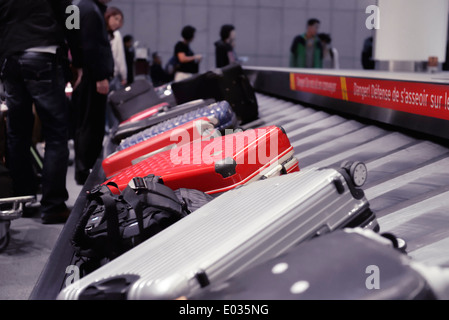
pixel 132 99
pixel 219 164
pixel 220 113
pixel 234 232
pixel 122 159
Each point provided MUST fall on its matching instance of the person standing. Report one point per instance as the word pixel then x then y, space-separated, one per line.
pixel 90 97
pixel 224 48
pixel 306 50
pixel 187 59
pixel 331 58
pixel 157 73
pixel 114 21
pixel 130 55
pixel 368 63
pixel 33 42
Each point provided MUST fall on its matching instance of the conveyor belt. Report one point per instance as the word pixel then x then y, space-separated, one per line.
pixel 407 187
pixel 408 178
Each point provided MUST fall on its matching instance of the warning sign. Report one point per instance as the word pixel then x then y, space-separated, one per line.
pixel 425 99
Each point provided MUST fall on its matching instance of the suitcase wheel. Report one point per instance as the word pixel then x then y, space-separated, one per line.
pixel 357 171
pixel 398 243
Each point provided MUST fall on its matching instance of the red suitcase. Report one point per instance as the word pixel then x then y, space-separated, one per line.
pixel 148 113
pixel 186 133
pixel 219 164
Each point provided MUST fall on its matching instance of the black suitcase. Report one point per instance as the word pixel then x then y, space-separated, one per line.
pixel 126 130
pixel 228 83
pixel 166 93
pixel 137 97
pixel 348 264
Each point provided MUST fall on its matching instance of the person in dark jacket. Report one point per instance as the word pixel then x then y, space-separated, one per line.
pixel 224 49
pixel 157 73
pixel 33 40
pixel 306 49
pixel 367 54
pixel 90 97
pixel 130 55
pixel 188 61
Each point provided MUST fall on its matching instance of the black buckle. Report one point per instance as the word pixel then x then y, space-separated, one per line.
pixel 138 183
pixel 95 191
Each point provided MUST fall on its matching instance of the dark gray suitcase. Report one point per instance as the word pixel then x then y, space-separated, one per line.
pixel 349 264
pixel 132 99
pixel 234 232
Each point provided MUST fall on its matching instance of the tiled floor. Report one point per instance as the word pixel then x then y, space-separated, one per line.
pixel 31 243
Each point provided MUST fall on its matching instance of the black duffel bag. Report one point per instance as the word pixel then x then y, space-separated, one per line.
pixel 113 224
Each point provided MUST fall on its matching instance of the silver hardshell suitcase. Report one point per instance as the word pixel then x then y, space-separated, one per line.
pixel 237 230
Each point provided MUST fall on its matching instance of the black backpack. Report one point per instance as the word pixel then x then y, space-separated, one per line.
pixel 113 224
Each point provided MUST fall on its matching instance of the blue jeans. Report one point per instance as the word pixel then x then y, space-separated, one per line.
pixel 37 78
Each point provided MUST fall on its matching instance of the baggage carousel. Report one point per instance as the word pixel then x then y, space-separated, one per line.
pixel 405 151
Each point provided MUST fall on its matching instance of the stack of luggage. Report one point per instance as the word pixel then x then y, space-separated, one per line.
pixel 199 204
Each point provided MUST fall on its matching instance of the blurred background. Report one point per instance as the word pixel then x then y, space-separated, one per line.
pixel 264 28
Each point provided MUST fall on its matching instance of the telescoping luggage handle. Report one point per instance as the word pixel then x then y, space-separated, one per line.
pixel 12 211
pixel 16 209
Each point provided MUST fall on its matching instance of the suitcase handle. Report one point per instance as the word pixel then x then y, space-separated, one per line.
pixel 17 207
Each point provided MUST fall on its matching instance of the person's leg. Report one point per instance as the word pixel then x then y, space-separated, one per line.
pixel 79 101
pixel 45 83
pixel 20 122
pixel 110 120
pixel 91 110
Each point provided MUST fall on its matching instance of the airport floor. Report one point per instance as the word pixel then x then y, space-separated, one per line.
pixel 30 246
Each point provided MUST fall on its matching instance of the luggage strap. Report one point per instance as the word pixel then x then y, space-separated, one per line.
pixel 112 224
pixel 85 246
pixel 141 194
